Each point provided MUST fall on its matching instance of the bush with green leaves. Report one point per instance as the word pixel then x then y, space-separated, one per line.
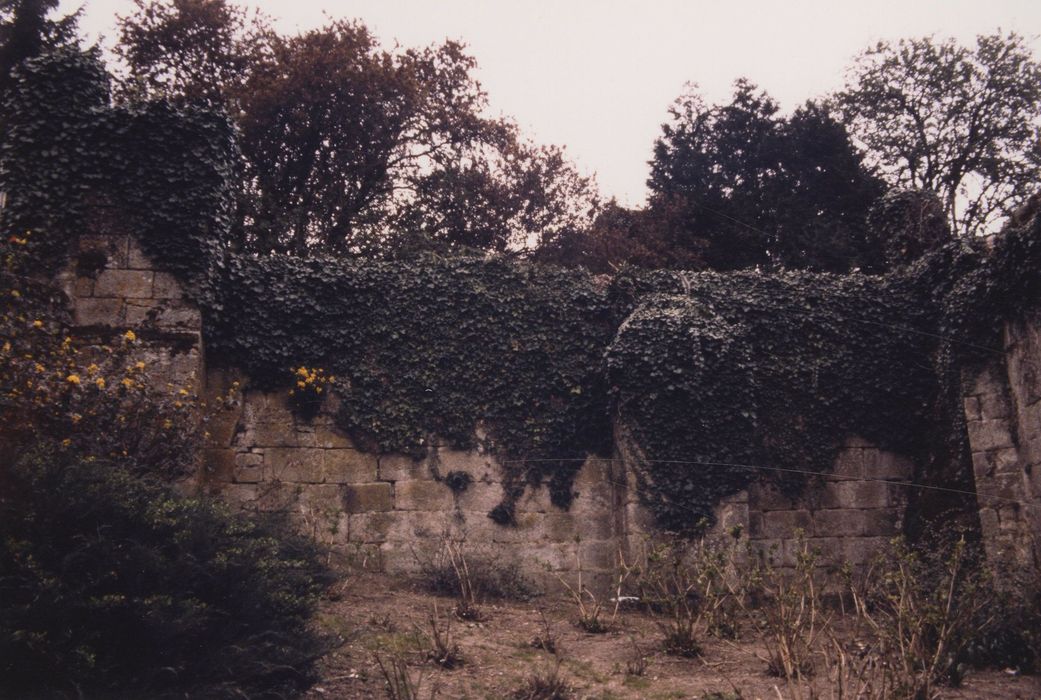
pixel 114 585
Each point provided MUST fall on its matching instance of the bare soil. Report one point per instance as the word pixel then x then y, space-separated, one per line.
pixel 375 614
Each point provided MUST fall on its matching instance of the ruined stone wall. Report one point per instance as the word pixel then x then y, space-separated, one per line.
pixel 114 287
pixel 848 515
pixel 1002 403
pixel 390 511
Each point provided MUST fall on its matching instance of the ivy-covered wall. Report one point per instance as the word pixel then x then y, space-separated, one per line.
pixel 724 381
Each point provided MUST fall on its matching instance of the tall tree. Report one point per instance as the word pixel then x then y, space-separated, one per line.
pixel 350 148
pixel 26 31
pixel 751 188
pixel 964 123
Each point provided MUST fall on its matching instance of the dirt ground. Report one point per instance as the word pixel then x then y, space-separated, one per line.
pixel 375 614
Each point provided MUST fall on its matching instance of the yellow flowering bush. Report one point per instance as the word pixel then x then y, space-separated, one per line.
pixel 310 387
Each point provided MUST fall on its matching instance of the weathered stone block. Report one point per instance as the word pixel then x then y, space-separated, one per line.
pixel 883 522
pixel 838 523
pixel 766 497
pixel 879 464
pixel 166 286
pixel 113 247
pixel 272 497
pixel 422 495
pixel 124 284
pixel 294 465
pixel 137 259
pixel 855 494
pixel 373 527
pixel 99 312
pixel 995 406
pixel 366 498
pixel 972 408
pixel 849 462
pixel 597 554
pixel 988 435
pixel 274 435
pixel 785 523
pixel 328 437
pixel 83 286
pixel 480 496
pixel 396 467
pixel 528 528
pixel 346 466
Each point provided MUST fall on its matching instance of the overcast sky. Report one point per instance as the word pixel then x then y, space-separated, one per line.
pixel 597 76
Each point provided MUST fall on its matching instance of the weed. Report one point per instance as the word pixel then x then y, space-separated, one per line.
pixel 545 685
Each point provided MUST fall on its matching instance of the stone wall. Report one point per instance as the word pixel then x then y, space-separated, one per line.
pixel 113 287
pixel 848 514
pixel 390 511
pixel 1002 403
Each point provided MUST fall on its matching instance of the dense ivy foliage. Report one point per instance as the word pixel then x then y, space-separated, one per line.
pixel 115 586
pixel 72 161
pixel 749 369
pixel 431 348
pixel 707 369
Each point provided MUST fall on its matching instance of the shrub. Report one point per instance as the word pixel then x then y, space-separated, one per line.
pixel 114 584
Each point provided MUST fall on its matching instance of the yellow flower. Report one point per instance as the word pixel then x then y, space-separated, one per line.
pixel 167 424
pixel 178 404
pixel 15 294
pixel 301 385
pixel 127 382
pixel 129 336
pixel 92 369
pixel 7 346
pixel 76 418
pixel 66 442
pixel 139 365
pixel 183 392
pixel 37 323
pixel 73 379
pixel 39 368
pixel 100 382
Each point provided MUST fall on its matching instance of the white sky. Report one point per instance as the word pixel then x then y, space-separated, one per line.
pixel 597 76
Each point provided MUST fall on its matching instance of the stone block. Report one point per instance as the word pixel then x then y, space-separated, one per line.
pixel 879 464
pixel 137 259
pixel 176 315
pixel 855 441
pixel 973 411
pixel 124 284
pixel 264 407
pixel 994 406
pixel 529 528
pixel 99 312
pixel 536 500
pixel 480 496
pixel 477 465
pixel 766 497
pixel 560 527
pixel 166 286
pixel 553 557
pixel 374 527
pixel 785 523
pixel 368 498
pixel 243 495
pixel 756 527
pixel 274 435
pixel 988 435
pixel 849 462
pixel 597 554
pixel 83 286
pixel 347 466
pixel 329 437
pixel 883 522
pixel 397 467
pixel 862 550
pixel 855 494
pixel 294 465
pixel 422 495
pixel 277 497
pixel 839 523
pixel 114 248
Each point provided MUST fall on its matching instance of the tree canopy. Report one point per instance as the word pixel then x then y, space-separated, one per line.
pixel 964 123
pixel 350 148
pixel 752 188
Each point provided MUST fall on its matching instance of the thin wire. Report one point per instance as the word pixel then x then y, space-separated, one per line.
pixel 754 467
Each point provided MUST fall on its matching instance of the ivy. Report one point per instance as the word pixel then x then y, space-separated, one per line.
pixel 712 375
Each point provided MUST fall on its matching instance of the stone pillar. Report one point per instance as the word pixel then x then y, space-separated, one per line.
pixel 1002 402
